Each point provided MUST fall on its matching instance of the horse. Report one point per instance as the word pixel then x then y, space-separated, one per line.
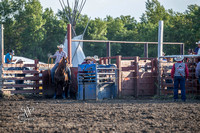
pixel 62 79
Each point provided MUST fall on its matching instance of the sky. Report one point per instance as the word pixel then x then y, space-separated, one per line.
pixel 116 8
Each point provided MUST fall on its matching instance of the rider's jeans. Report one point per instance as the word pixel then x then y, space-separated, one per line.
pixel 53 71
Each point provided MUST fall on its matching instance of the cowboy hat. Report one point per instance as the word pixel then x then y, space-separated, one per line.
pixel 96 58
pixel 179 58
pixel 88 58
pixel 20 60
pixel 198 42
pixel 60 46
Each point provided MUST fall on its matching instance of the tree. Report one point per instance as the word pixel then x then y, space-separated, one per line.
pixel 97 30
pixel 54 33
pixel 154 12
pixel 30 24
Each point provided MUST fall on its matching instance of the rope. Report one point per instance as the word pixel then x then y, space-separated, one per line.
pixel 49 71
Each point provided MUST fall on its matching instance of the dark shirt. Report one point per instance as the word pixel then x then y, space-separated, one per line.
pixel 19 75
pixel 18 68
pixel 196 50
pixel 85 62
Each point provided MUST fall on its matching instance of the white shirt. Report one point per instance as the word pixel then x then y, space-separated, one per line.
pixel 197 72
pixel 59 55
pixel 198 52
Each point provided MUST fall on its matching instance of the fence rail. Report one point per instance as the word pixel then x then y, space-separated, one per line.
pixel 23 81
pixel 134 74
pixel 192 86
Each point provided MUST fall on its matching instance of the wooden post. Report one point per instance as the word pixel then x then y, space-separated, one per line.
pixel 69 39
pixel 146 50
pixel 104 61
pixel 100 61
pixel 37 75
pixel 136 75
pixel 182 49
pixel 152 65
pixel 107 61
pixel 108 52
pixel 118 62
pixel 159 76
pixel 1 55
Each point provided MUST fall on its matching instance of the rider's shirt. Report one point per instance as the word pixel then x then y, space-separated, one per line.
pixel 59 56
pixel 9 57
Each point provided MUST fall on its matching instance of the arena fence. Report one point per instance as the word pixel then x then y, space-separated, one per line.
pixel 136 76
pixel 166 82
pixel 22 81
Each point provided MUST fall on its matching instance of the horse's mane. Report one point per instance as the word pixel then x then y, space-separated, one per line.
pixel 61 66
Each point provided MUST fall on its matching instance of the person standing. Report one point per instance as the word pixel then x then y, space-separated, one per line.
pixel 197 71
pixel 58 55
pixel 19 75
pixel 88 60
pixel 179 73
pixel 197 51
pixel 9 57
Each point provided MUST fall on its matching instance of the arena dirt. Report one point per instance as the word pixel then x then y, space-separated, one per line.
pixel 127 115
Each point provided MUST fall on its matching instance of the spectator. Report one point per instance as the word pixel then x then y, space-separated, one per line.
pixel 9 57
pixel 88 60
pixel 19 75
pixel 179 73
pixel 197 72
pixel 197 51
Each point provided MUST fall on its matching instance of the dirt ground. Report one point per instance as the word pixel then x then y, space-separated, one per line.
pixel 125 115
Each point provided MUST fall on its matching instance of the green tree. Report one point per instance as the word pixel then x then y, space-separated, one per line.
pixel 54 34
pixel 30 24
pixel 155 12
pixel 97 30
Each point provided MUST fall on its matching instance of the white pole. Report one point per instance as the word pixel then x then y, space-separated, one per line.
pixel 1 54
pixel 160 39
pixel 160 53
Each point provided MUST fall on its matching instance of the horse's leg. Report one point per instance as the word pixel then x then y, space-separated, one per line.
pixel 55 93
pixel 66 90
pixel 63 92
pixel 72 92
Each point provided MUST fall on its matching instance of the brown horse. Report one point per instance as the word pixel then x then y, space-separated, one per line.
pixel 62 79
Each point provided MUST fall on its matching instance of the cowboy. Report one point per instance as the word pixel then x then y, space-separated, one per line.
pixel 58 55
pixel 197 51
pixel 179 73
pixel 9 57
pixel 88 60
pixel 19 75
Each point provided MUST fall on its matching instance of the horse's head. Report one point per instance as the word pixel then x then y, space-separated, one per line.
pixel 63 64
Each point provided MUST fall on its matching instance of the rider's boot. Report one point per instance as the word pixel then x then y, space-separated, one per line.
pixel 54 97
